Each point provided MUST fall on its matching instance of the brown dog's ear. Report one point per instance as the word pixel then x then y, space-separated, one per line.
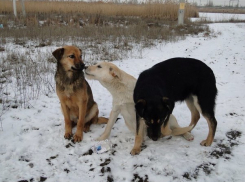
pixel 58 53
pixel 115 72
pixel 140 107
pixel 169 104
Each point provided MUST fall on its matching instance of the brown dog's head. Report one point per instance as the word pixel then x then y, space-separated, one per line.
pixel 70 58
pixel 156 113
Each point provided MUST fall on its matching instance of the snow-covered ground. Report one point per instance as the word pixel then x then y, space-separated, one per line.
pixel 216 17
pixel 218 2
pixel 32 146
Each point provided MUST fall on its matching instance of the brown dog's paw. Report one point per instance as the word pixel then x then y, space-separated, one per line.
pixel 68 136
pixel 77 138
pixel 86 128
pixel 205 143
pixel 135 151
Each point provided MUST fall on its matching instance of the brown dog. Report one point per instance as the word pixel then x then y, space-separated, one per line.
pixel 74 92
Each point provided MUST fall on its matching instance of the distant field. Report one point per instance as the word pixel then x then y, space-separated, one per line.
pixel 156 9
pixel 107 31
pixel 222 10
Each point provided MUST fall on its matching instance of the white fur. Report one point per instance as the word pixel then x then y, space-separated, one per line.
pixel 121 86
pixel 197 104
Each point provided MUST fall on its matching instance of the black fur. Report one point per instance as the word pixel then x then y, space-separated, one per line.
pixel 168 82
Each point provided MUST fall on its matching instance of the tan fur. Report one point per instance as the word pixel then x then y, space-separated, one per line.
pixel 139 138
pixel 121 86
pixel 194 107
pixel 172 128
pixel 210 137
pixel 74 93
pixel 195 116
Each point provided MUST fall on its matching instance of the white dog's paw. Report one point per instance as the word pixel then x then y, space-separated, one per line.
pixel 188 136
pixel 101 138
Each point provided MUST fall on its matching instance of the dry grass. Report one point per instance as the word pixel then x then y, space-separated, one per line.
pixel 94 23
pixel 222 10
pixel 167 11
pixel 49 21
pixel 29 74
pixel 24 77
pixel 104 31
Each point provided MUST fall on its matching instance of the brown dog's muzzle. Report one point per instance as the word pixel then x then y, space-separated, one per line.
pixel 78 67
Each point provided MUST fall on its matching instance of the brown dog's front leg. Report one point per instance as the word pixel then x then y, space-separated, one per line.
pixel 138 138
pixel 68 122
pixel 81 121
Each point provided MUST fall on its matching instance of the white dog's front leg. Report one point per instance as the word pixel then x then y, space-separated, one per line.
pixel 112 119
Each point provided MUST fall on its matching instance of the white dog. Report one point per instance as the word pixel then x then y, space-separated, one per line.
pixel 121 86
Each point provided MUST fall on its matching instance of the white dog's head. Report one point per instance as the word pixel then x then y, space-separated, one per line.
pixel 103 72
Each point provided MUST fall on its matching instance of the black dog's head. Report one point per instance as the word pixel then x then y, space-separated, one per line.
pixel 155 113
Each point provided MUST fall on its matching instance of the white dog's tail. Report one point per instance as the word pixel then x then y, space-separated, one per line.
pixel 173 128
pixel 181 131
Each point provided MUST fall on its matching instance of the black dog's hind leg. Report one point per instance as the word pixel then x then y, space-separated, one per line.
pixel 195 115
pixel 212 124
pixel 205 105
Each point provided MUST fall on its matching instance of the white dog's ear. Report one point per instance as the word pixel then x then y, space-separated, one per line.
pixel 115 72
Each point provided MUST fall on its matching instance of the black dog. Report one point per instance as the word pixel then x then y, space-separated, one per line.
pixel 158 88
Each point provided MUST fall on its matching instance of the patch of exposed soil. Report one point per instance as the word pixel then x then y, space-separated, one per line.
pixel 139 178
pixel 220 151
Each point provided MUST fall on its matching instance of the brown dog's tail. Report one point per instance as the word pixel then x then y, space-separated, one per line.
pixel 102 120
pixel 95 120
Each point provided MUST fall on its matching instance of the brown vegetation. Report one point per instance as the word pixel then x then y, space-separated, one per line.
pixel 222 10
pixel 167 11
pixel 104 31
pixel 47 22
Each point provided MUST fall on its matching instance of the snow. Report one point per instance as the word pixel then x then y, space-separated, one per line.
pixel 215 17
pixel 219 2
pixel 32 146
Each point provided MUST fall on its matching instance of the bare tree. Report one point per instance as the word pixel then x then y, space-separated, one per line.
pixel 23 8
pixel 14 6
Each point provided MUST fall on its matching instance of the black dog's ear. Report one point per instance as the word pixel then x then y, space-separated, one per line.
pixel 168 103
pixel 140 107
pixel 58 53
